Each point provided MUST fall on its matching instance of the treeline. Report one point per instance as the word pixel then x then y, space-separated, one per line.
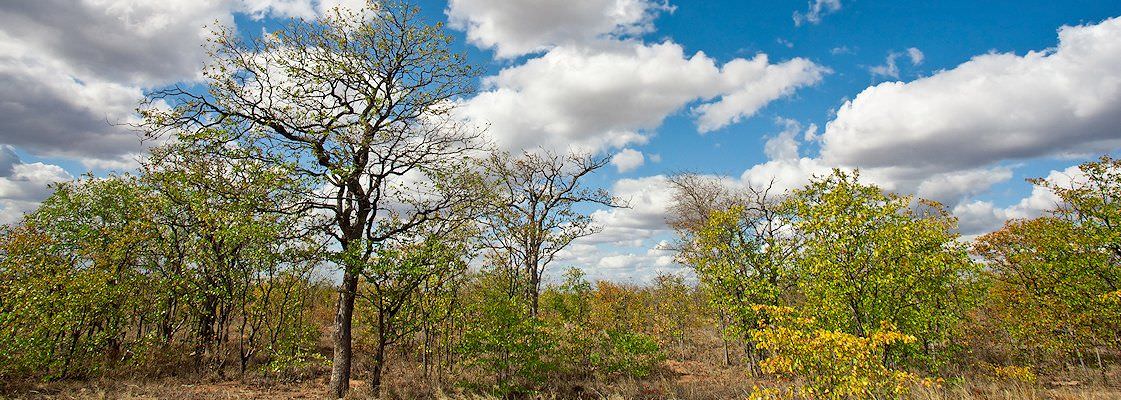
pixel 317 203
pixel 847 289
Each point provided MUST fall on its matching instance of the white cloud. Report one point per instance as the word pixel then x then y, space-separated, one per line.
pixel 628 160
pixel 306 9
pixel 949 136
pixel 755 83
pixel 279 8
pixel 889 69
pixel 614 94
pixel 784 145
pixel 953 187
pixel 979 217
pixel 647 200
pixel 74 71
pixel 915 55
pixel 816 10
pixel 993 107
pixel 514 28
pixel 24 185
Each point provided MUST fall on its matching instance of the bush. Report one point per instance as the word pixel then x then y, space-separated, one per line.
pixel 507 344
pixel 627 354
pixel 829 364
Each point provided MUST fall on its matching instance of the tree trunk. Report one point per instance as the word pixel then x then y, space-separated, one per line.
pixel 375 373
pixel 344 315
pixel 534 283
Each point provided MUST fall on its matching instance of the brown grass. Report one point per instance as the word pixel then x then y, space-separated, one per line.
pixel 684 380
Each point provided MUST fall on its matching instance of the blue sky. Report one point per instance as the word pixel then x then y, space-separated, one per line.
pixel 955 100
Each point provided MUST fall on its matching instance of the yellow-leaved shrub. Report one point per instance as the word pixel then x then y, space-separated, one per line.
pixel 827 364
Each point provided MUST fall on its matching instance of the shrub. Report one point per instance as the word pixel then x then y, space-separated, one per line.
pixel 830 364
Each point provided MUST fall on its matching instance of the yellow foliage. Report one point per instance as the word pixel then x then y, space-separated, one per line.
pixel 1014 374
pixel 830 364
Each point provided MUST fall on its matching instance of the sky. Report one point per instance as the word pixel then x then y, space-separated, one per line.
pixel 956 101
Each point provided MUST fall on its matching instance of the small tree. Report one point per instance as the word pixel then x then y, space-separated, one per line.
pixel 227 243
pixel 503 340
pixel 401 283
pixel 72 279
pixel 1056 278
pixel 742 246
pixel 534 215
pixel 871 257
pixel 829 364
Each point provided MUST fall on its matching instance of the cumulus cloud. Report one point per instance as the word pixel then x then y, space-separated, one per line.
pixel 613 94
pixel 24 185
pixel 950 136
pixel 74 71
pixel 784 145
pixel 978 217
pixel 889 69
pixel 993 107
pixel 633 245
pixel 306 9
pixel 514 28
pixel 815 11
pixel 754 83
pixel 51 112
pixel 628 160
pixel 925 137
pixel 647 200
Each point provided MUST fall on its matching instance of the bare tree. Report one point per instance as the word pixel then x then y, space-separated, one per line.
pixel 534 217
pixel 358 104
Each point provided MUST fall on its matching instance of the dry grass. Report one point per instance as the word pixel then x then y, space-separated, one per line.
pixel 688 380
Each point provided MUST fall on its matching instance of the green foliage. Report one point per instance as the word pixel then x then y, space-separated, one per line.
pixel 742 257
pixel 504 342
pixel 1055 278
pixel 870 257
pixel 71 279
pixel 625 353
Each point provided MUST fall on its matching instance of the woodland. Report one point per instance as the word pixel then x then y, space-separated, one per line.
pixel 314 222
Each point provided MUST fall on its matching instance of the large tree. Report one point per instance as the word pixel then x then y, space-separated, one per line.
pixel 357 104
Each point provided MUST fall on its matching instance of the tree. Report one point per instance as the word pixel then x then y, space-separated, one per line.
pixel 358 105
pixel 227 244
pixel 402 283
pixel 742 245
pixel 675 312
pixel 72 278
pixel 829 364
pixel 534 217
pixel 870 257
pixel 1056 277
pixel 503 340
